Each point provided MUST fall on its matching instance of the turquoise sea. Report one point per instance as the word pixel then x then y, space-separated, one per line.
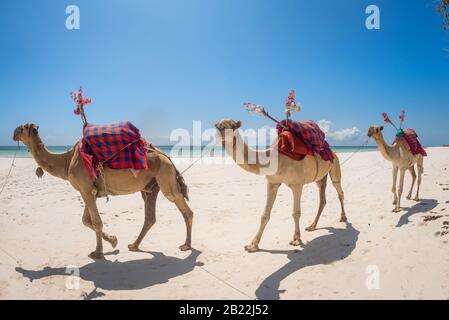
pixel 217 151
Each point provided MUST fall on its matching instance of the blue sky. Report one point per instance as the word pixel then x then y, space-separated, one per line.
pixel 163 64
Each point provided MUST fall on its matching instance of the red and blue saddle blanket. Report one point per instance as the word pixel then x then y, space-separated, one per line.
pixel 412 143
pixel 116 146
pixel 311 135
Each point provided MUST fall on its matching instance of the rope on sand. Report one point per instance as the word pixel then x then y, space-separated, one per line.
pixel 204 269
pixel 10 169
pixel 228 284
pixel 10 256
pixel 1 191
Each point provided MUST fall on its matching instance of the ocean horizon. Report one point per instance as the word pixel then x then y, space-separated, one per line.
pixel 179 152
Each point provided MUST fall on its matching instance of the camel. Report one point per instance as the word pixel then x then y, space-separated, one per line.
pixel 402 160
pixel 161 176
pixel 294 174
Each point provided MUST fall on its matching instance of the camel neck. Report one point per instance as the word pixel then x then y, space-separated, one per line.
pixel 55 164
pixel 385 149
pixel 245 157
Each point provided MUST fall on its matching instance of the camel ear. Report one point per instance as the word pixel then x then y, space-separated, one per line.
pixel 238 125
pixel 381 128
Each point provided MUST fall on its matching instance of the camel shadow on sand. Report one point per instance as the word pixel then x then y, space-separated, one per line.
pixel 424 205
pixel 127 275
pixel 335 246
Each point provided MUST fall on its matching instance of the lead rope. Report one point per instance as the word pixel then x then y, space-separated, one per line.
pixel 11 167
pixel 3 188
pixel 202 267
pixel 355 152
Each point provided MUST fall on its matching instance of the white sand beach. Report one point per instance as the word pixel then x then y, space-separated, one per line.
pixel 41 234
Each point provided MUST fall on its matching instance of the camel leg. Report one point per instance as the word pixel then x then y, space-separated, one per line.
pixel 187 214
pixel 393 189
pixel 420 172
pixel 322 189
pixel 272 189
pixel 335 174
pixel 171 190
pixel 150 216
pixel 400 189
pixel 97 224
pixel 413 173
pixel 297 191
pixel 88 223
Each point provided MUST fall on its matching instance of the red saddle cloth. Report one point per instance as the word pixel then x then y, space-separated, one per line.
pixel 310 135
pixel 412 143
pixel 116 146
pixel 289 145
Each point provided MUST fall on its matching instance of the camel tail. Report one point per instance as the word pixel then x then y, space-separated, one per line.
pixel 182 185
pixel 335 172
pixel 179 178
pixel 421 165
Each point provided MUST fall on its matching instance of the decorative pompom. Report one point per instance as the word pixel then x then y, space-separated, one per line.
pixel 402 118
pixel 386 117
pixel 80 102
pixel 251 107
pixel 291 101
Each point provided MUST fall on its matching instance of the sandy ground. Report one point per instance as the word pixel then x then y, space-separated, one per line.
pixel 379 255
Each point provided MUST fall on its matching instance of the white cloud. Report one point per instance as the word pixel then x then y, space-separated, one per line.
pixel 325 125
pixel 343 135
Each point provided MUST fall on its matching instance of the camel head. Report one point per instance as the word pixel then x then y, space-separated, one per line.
pixel 375 132
pixel 26 132
pixel 227 128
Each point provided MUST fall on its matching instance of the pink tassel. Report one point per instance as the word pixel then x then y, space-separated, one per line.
pixel 291 101
pixel 387 119
pixel 77 97
pixel 402 118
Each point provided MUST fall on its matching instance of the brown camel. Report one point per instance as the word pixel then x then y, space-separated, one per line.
pixel 295 174
pixel 161 175
pixel 402 160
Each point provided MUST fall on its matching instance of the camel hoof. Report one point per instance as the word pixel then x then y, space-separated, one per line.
pixel 343 219
pixel 416 199
pixel 133 247
pixel 96 255
pixel 296 243
pixel 252 248
pixel 113 241
pixel 311 228
pixel 185 247
pixel 396 210
pixel 409 197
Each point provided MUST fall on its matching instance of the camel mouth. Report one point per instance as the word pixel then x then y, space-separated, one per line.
pixel 218 127
pixel 17 133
